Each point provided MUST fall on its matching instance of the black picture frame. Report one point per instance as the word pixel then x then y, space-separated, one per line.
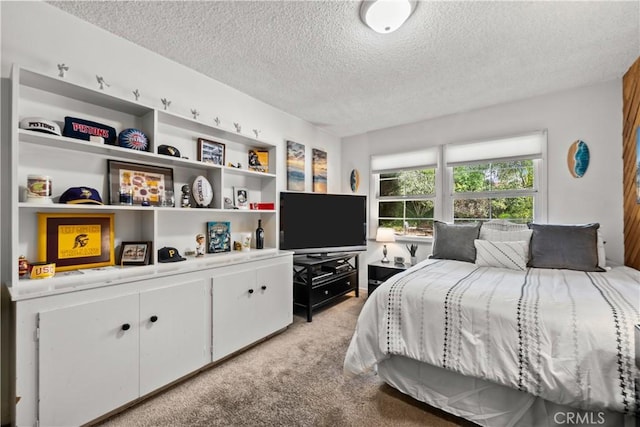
pixel 135 253
pixel 211 151
pixel 135 183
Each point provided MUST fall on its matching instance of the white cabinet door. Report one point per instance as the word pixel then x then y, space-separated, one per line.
pixel 274 308
pixel 233 324
pixel 173 333
pixel 88 360
pixel 250 304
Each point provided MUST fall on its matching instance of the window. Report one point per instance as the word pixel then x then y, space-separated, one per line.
pixel 406 201
pixel 405 190
pixel 478 181
pixel 494 190
pixel 496 179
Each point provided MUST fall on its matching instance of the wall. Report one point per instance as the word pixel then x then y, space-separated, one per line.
pixel 631 89
pixel 592 114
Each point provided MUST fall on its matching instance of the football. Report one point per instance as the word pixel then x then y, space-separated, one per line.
pixel 201 191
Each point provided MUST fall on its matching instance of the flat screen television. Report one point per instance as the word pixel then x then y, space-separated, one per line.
pixel 320 223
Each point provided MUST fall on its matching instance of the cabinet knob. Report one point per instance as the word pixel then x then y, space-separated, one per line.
pixel 326 292
pixel 250 291
pixel 264 287
pixel 126 327
pixel 153 318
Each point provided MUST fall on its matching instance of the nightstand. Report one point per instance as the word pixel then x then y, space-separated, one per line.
pixel 378 272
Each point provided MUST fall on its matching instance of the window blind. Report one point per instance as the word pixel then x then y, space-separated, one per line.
pixel 420 159
pixel 526 146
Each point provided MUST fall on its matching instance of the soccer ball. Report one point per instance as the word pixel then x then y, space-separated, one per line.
pixel 201 191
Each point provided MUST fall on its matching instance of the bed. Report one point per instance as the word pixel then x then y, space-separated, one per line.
pixel 506 346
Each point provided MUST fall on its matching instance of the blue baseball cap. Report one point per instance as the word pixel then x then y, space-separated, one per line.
pixel 81 195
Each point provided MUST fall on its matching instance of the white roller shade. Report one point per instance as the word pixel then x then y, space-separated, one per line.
pixel 527 146
pixel 421 159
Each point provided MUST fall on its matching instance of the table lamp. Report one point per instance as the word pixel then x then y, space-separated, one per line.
pixel 385 235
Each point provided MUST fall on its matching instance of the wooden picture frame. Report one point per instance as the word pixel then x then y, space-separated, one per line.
pixel 135 253
pixel 139 182
pixel 241 197
pixel 211 152
pixel 74 241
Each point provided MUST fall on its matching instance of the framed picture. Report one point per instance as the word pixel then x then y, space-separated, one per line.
pixel 259 160
pixel 319 166
pixel 75 241
pixel 135 253
pixel 138 184
pixel 211 152
pixel 218 236
pixel 295 166
pixel 241 197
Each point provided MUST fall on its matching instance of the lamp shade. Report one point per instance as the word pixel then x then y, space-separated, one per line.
pixel 386 16
pixel 385 235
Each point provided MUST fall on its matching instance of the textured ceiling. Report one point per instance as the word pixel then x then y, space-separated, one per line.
pixel 317 61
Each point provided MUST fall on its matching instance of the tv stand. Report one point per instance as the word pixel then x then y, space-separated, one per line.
pixel 320 280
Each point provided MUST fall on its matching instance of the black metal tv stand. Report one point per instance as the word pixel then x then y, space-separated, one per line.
pixel 319 281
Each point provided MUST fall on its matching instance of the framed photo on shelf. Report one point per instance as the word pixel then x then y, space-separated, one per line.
pixel 211 152
pixel 135 253
pixel 136 184
pixel 241 197
pixel 259 160
pixel 218 236
pixel 74 241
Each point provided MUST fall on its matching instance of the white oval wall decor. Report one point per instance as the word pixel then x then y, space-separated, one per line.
pixel 201 191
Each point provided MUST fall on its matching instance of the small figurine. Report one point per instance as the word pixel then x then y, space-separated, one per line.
pixel 238 127
pixel 101 82
pixel 186 194
pixel 195 113
pixel 256 132
pixel 165 102
pixel 61 69
pixel 23 266
pixel 136 93
pixel 237 246
pixel 234 165
pixel 217 120
pixel 200 247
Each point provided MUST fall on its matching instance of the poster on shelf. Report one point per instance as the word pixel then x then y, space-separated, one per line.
pixel 218 236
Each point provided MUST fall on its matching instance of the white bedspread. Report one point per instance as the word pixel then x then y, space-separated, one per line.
pixel 564 335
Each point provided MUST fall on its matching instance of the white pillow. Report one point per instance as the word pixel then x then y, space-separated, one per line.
pixel 523 235
pixel 512 255
pixel 503 225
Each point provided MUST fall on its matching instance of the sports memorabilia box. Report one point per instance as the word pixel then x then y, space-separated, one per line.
pixel 218 236
pixel 88 130
pixel 74 241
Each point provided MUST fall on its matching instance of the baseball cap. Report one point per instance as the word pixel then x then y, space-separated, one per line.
pixel 81 195
pixel 40 124
pixel 168 150
pixel 88 130
pixel 134 139
pixel 168 254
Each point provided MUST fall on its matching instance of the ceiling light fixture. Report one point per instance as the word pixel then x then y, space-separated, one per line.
pixel 386 16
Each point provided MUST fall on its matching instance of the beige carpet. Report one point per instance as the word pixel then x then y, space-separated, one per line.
pixel 293 379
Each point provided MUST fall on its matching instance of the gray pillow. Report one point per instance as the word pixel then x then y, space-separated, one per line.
pixel 574 247
pixel 455 241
